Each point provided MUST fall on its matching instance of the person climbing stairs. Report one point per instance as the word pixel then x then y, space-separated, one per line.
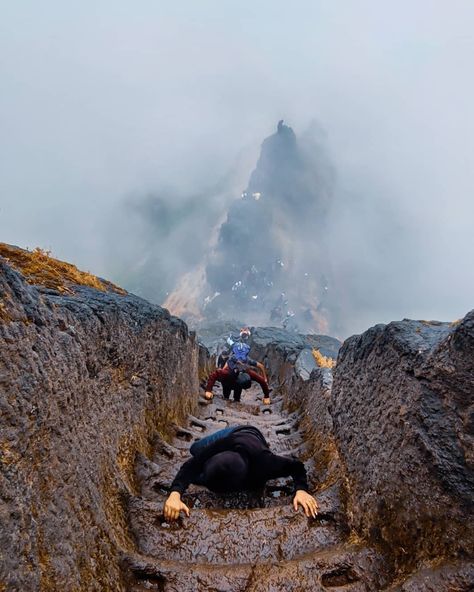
pixel 251 541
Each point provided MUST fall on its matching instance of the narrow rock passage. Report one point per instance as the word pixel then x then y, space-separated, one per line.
pixel 241 542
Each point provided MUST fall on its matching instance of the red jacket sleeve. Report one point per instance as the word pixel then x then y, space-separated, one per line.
pixel 261 381
pixel 216 375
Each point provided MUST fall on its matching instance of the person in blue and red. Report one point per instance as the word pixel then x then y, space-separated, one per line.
pixel 238 354
pixel 237 459
pixel 234 370
pixel 234 379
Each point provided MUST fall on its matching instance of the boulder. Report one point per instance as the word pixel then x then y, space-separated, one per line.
pixel 213 335
pixel 403 414
pixel 305 363
pixel 87 378
pixel 291 343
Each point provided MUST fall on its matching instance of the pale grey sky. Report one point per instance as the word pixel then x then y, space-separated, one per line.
pixel 102 99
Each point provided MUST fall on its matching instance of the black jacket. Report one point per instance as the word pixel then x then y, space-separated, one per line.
pixel 263 464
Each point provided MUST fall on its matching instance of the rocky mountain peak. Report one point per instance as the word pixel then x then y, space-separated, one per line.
pixel 262 267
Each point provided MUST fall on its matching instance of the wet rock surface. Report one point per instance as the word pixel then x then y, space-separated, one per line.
pixel 402 407
pixel 290 344
pixel 253 541
pixel 305 419
pixel 305 364
pixel 99 409
pixel 86 379
pixel 213 335
pixel 450 576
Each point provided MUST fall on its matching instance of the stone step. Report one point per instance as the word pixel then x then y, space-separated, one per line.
pixel 233 536
pixel 341 568
pixel 168 457
pixel 268 425
pixel 277 493
pixel 244 541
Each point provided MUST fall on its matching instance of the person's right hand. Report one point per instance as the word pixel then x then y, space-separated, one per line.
pixel 209 395
pixel 307 502
pixel 173 506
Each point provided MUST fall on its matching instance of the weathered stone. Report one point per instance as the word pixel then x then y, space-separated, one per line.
pixel 86 379
pixel 216 536
pixel 250 540
pixel 402 407
pixel 305 364
pixel 290 343
pixel 94 382
pixel 454 576
pixel 213 335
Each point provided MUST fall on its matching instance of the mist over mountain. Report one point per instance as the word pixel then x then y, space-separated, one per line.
pixel 294 246
pixel 253 252
pixel 269 261
pixel 130 133
pixel 306 169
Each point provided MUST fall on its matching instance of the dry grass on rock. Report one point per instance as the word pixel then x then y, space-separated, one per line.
pixel 40 268
pixel 323 361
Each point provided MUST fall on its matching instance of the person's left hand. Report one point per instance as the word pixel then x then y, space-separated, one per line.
pixel 173 506
pixel 266 400
pixel 307 502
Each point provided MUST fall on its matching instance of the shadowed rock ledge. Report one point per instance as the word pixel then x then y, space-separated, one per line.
pixel 403 416
pixel 395 427
pixel 86 380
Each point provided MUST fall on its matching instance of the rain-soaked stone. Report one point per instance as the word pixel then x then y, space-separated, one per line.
pixel 305 363
pixel 249 540
pixel 403 405
pixel 97 417
pixel 86 379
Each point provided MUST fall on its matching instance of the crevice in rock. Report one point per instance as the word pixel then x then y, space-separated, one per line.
pixel 339 577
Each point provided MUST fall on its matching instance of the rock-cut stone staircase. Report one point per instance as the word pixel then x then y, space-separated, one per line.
pixel 246 542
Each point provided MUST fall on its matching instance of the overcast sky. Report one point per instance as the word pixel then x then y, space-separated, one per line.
pixel 104 99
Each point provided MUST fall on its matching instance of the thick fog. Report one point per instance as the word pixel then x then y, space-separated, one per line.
pixel 129 130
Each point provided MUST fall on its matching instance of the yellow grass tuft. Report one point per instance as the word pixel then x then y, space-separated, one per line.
pixel 40 268
pixel 4 316
pixel 323 361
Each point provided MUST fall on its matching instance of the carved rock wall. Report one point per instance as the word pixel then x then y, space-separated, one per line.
pixel 403 413
pixel 86 380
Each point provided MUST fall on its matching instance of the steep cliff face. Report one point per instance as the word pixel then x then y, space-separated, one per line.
pixel 392 432
pixel 402 407
pixel 93 380
pixel 87 379
pixel 269 261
